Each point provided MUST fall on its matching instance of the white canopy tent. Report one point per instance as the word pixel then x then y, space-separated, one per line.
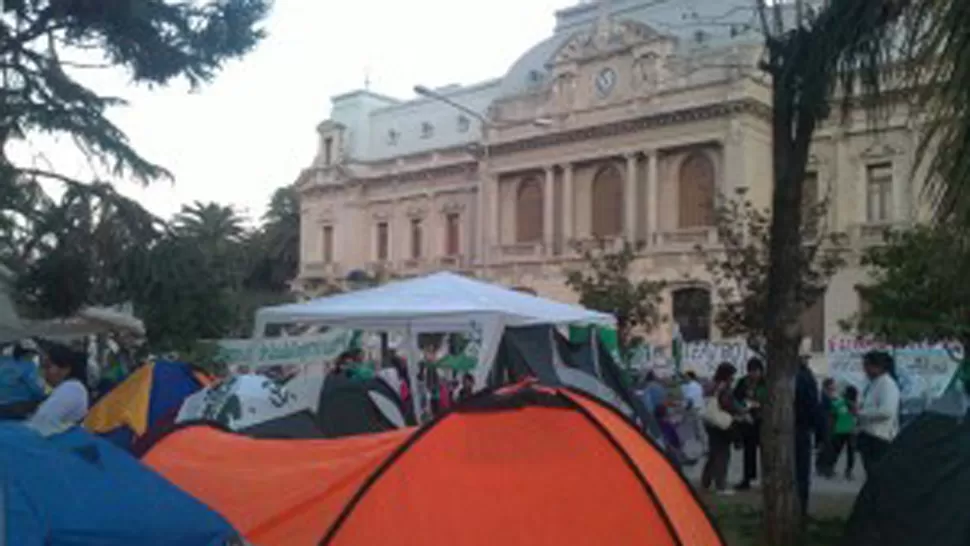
pixel 438 303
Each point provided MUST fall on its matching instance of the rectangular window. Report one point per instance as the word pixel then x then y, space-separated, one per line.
pixel 416 236
pixel 383 242
pixel 879 192
pixel 452 235
pixel 328 244
pixel 813 324
pixel 327 150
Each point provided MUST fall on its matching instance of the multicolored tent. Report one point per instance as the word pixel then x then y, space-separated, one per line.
pixel 79 490
pixel 151 395
pixel 510 467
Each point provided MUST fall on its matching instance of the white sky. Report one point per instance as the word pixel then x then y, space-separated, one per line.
pixel 252 130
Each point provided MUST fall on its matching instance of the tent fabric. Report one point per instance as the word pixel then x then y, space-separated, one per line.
pixel 75 489
pixel 432 303
pixel 917 494
pixel 299 425
pixel 147 396
pixel 508 467
pixel 488 473
pixel 244 401
pixel 307 406
pixel 350 406
pixel 542 353
pixel 275 492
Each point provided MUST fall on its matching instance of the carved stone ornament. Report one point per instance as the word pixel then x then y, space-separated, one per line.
pixel 879 149
pixel 381 215
pixel 606 37
pixel 450 207
pixel 416 211
pixel 647 72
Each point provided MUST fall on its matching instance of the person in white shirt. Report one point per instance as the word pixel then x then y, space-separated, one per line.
pixel 67 403
pixel 692 427
pixel 879 410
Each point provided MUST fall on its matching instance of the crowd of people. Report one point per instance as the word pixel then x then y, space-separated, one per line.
pixel 728 415
pixel 438 388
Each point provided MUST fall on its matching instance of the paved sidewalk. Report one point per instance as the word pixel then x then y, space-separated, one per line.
pixel 827 494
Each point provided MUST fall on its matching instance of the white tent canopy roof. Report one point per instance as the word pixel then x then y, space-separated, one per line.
pixel 437 302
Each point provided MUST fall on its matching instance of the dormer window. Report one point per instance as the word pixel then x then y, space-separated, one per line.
pixel 427 130
pixel 464 124
pixel 700 37
pixel 392 137
pixel 535 77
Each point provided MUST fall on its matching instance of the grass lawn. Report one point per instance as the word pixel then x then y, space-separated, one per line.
pixel 739 519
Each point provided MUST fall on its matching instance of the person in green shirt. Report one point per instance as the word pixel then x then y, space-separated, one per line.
pixel 843 422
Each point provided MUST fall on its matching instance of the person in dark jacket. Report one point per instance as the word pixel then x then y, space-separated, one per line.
pixel 751 393
pixel 823 440
pixel 806 424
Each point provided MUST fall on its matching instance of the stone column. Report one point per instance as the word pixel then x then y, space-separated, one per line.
pixel 432 236
pixel 653 210
pixel 548 217
pixel 492 234
pixel 568 218
pixel 630 199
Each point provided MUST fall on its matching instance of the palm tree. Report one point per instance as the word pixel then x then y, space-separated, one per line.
pixel 937 46
pixel 275 248
pixel 209 223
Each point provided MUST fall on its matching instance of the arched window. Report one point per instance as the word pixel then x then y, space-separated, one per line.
pixel 528 211
pixel 607 202
pixel 696 192
pixel 692 313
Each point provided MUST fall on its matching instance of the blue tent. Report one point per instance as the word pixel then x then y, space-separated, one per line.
pixel 75 489
pixel 149 397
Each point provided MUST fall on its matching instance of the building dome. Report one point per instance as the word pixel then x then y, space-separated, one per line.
pixel 531 70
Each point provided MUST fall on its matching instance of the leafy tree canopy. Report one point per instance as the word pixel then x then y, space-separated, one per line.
pixel 603 282
pixel 739 272
pixel 919 290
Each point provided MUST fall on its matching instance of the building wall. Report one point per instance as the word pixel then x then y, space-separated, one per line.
pixel 665 101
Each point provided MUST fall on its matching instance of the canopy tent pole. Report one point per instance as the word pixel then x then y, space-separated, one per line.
pixel 412 363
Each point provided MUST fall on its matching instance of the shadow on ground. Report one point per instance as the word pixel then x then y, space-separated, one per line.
pixel 739 518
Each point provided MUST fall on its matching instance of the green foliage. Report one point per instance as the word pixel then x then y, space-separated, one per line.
pixel 604 283
pixel 94 246
pixel 277 259
pixel 935 50
pixel 156 41
pixel 739 272
pixel 919 290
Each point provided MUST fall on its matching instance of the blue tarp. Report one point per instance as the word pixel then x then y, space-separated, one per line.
pixel 19 381
pixel 75 489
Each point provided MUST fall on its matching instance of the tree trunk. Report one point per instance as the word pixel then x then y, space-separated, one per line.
pixel 792 128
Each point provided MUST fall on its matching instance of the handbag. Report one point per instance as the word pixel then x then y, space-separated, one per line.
pixel 715 416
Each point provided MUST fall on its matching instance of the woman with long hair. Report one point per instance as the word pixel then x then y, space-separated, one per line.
pixel 720 439
pixel 64 371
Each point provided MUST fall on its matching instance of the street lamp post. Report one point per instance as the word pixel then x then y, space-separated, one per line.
pixel 483 167
pixel 485 125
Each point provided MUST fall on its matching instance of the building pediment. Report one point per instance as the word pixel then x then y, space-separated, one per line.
pixel 606 39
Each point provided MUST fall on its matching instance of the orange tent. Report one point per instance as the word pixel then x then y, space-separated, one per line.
pixel 526 465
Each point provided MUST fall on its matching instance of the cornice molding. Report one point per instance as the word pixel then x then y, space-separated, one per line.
pixel 606 130
pixel 633 125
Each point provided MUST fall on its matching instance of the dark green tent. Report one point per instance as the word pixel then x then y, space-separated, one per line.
pixel 918 495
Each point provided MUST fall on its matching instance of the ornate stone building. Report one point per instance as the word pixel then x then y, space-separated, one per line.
pixel 628 123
